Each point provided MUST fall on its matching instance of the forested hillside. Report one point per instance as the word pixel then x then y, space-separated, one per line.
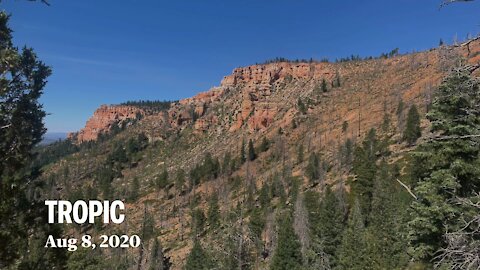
pixel 359 164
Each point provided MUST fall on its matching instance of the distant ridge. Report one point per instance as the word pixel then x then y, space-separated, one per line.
pixel 51 137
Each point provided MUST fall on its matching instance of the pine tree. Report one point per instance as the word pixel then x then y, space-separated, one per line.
pixel 301 106
pixel 243 156
pixel 365 168
pixel 257 222
pixel 23 78
pixel 387 245
pixel 316 258
pixel 251 151
pixel 300 153
pixel 344 126
pixel 133 192
pixel 287 255
pixel 158 261
pixel 278 188
pixel 264 145
pixel 313 168
pixel 412 129
pixel 161 181
pixel 324 86
pixel 331 224
pixel 84 259
pixel 312 204
pixel 352 253
pixel 180 179
pixel 347 153
pixel 227 163
pixel 446 168
pixel 400 107
pixel 198 259
pixel 264 197
pixel 213 216
pixel 337 80
pixel 198 221
pixel 386 122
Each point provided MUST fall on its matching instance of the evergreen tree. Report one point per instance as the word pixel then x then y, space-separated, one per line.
pixel 446 168
pixel 180 179
pixel 324 86
pixel 227 163
pixel 400 107
pixel 344 126
pixel 412 129
pixel 251 151
pixel 22 78
pixel 257 222
pixel 386 122
pixel 331 224
pixel 161 181
pixel 312 204
pixel 337 80
pixel 316 258
pixel 347 153
pixel 213 216
pixel 264 145
pixel 300 153
pixel 287 255
pixel 365 168
pixel 278 188
pixel 301 106
pixel 85 259
pixel 198 221
pixel 352 253
pixel 313 168
pixel 387 245
pixel 264 197
pixel 326 218
pixel 198 259
pixel 243 156
pixel 158 261
pixel 134 188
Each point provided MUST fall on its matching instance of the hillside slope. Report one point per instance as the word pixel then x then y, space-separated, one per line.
pixel 158 160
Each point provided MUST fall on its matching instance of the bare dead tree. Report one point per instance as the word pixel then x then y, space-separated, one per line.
pixel 463 246
pixel 467 43
pixel 140 257
pixel 300 224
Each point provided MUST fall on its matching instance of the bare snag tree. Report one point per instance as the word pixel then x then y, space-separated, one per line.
pixel 463 246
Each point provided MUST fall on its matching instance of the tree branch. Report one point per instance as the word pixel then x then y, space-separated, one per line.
pixel 407 188
pixel 448 2
pixel 442 138
pixel 43 1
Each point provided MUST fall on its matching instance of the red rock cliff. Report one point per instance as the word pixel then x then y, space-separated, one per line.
pixel 103 120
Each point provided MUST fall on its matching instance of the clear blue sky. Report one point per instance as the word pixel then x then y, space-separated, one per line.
pixel 106 52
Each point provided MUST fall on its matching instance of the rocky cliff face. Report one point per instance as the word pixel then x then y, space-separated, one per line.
pixel 256 96
pixel 268 74
pixel 104 119
pixel 255 85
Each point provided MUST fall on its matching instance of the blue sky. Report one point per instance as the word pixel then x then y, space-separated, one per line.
pixel 106 52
